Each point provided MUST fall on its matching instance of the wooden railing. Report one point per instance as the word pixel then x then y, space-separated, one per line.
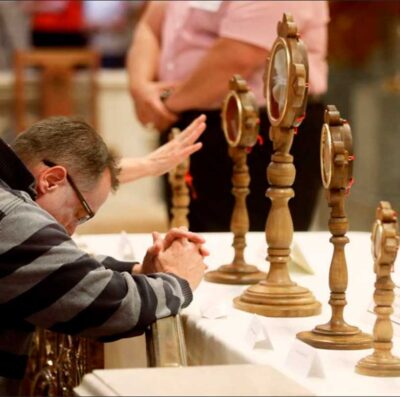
pixel 58 362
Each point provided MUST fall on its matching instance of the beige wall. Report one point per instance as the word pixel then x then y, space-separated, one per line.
pixel 136 207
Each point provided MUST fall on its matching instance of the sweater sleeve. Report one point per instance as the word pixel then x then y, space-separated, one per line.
pixel 119 266
pixel 47 280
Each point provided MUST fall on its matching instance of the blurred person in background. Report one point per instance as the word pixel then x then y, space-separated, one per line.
pixel 182 57
pixel 57 23
pixel 14 31
pixel 14 36
pixel 109 26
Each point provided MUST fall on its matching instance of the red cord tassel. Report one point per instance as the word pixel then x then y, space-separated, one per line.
pixel 349 185
pixel 299 119
pixel 189 183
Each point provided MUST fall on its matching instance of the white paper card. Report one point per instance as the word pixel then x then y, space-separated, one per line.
pixel 206 5
pixel 257 334
pixel 125 248
pixel 214 310
pixel 305 360
pixel 297 258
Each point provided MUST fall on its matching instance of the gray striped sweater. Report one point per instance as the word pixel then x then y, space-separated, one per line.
pixel 47 281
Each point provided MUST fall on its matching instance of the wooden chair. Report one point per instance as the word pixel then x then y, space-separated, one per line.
pixel 58 69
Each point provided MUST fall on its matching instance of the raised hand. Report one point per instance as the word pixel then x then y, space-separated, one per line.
pixel 165 157
pixel 178 149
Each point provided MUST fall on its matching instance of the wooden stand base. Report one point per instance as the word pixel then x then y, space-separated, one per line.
pixel 278 301
pixel 374 365
pixel 234 274
pixel 346 337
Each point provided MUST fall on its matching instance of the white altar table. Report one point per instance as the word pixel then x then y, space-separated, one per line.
pixel 224 340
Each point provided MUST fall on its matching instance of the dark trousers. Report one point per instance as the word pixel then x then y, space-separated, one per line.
pixel 211 169
pixel 59 39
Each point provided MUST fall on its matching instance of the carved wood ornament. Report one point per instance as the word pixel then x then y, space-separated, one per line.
pixel 336 156
pixel 240 123
pixel 286 88
pixel 180 191
pixel 385 245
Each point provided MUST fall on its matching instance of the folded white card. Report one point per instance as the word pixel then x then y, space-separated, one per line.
pixel 298 260
pixel 257 334
pixel 125 248
pixel 305 360
pixel 214 310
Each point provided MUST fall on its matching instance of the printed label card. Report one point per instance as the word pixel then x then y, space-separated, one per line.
pixel 125 248
pixel 214 310
pixel 257 336
pixel 305 360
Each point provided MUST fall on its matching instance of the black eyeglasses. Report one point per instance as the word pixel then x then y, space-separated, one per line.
pixel 85 205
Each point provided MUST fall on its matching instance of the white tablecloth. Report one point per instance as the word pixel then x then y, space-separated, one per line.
pixel 220 380
pixel 223 340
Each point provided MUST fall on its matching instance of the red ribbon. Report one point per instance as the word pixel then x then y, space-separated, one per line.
pixel 189 183
pixel 300 119
pixel 349 185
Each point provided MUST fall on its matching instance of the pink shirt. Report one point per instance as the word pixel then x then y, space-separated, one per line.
pixel 190 29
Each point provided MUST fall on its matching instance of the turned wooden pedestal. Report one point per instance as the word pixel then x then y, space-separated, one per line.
pixel 240 123
pixel 385 244
pixel 180 191
pixel 286 89
pixel 336 171
pixel 278 295
pixel 238 272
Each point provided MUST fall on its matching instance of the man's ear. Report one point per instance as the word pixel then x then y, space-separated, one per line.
pixel 50 179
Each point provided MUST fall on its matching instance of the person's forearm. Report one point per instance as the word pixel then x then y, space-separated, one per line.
pixel 77 293
pixel 143 57
pixel 134 168
pixel 144 53
pixel 208 83
pixel 117 265
pixel 166 157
